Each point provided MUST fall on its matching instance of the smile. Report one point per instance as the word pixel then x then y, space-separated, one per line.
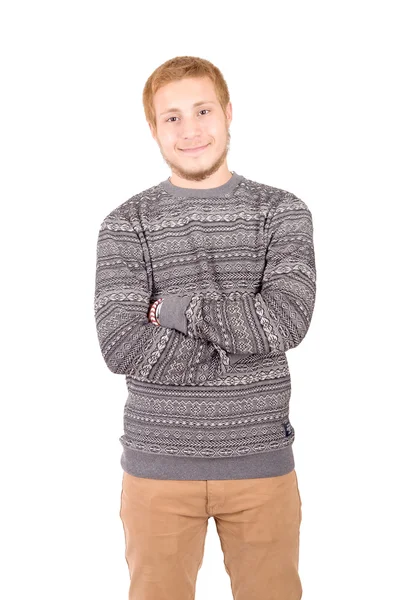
pixel 194 150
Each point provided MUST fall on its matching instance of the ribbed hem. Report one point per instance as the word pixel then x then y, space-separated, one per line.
pixel 215 192
pixel 156 466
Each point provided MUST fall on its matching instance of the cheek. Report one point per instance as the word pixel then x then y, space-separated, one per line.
pixel 168 139
pixel 215 131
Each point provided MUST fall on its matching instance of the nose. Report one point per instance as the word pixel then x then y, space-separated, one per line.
pixel 190 129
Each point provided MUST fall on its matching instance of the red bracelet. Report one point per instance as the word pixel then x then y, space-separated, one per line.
pixel 152 313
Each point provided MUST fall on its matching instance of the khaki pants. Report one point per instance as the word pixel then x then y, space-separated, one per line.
pixel 258 523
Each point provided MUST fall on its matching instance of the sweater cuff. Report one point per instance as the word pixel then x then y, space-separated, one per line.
pixel 172 312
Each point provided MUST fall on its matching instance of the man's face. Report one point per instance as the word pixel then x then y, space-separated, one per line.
pixel 189 126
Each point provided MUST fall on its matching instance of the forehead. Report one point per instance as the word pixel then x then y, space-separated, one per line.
pixel 184 93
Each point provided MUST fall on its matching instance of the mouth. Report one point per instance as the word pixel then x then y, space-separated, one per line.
pixel 194 150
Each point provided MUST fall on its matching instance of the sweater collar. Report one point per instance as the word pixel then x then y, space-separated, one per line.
pixel 215 192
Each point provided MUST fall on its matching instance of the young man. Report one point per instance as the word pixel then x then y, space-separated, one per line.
pixel 203 282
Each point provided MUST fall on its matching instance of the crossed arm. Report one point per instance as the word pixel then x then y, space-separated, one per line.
pixel 276 318
pixel 130 344
pixel 240 323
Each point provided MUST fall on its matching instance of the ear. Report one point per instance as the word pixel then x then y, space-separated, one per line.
pixel 228 112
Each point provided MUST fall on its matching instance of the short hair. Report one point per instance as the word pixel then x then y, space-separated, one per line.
pixel 178 68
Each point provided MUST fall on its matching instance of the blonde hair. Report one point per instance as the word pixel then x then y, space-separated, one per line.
pixel 179 68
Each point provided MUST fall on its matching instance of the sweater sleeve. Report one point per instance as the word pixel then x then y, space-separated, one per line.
pixel 130 344
pixel 277 317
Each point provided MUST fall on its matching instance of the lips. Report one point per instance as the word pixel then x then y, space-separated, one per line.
pixel 193 150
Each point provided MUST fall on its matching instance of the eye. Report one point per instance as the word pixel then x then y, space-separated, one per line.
pixel 202 110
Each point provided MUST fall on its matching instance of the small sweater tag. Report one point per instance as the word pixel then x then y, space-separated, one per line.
pixel 288 428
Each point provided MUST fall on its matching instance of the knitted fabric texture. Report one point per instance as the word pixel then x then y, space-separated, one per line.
pixel 209 389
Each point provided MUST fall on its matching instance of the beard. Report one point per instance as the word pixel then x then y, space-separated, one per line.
pixel 201 173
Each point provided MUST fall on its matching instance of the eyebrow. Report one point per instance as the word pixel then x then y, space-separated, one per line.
pixel 195 104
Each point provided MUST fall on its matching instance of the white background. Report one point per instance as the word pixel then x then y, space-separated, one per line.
pixel 315 112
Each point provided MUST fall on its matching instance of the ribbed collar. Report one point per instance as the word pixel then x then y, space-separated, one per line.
pixel 215 192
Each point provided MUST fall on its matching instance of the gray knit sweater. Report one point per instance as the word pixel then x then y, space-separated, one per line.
pixel 209 389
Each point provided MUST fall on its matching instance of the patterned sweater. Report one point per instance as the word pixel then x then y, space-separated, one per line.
pixel 209 389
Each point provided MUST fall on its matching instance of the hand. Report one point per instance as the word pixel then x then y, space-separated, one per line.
pixel 148 314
